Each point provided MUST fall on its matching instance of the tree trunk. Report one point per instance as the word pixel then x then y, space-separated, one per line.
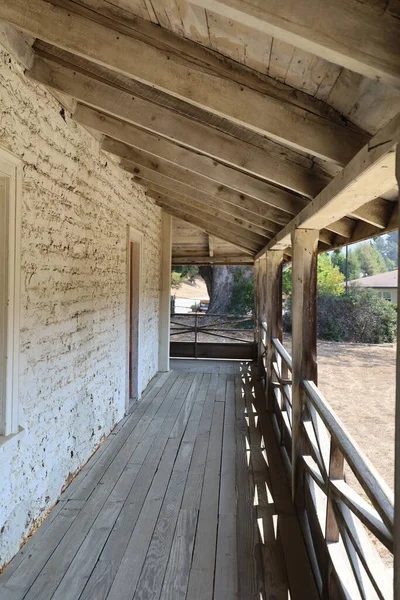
pixel 219 281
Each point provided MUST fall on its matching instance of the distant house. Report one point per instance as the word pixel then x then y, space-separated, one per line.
pixel 385 284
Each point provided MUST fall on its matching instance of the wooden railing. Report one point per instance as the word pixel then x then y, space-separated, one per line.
pixel 197 332
pixel 346 526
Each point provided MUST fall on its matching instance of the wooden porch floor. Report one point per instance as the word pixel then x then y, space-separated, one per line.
pixel 186 499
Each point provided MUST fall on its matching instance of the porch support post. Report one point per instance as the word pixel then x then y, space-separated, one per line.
pixel 396 535
pixel 165 292
pixel 259 307
pixel 304 335
pixel 273 301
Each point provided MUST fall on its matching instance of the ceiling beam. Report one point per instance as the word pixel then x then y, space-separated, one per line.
pixel 190 133
pixel 189 187
pixel 126 140
pixel 345 32
pixel 261 226
pixel 275 118
pixel 211 228
pixel 218 259
pixel 214 216
pixel 275 197
pixel 256 207
pixel 372 172
pixel 377 212
pixel 123 21
pixel 209 212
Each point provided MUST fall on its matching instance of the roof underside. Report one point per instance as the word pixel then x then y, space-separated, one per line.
pixel 236 117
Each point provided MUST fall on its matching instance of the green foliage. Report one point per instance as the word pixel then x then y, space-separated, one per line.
pixel 358 316
pixel 182 273
pixel 176 279
pixel 369 258
pixel 329 278
pixel 387 245
pixel 243 292
pixel 287 281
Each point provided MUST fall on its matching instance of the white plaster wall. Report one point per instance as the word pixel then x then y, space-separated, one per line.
pixel 76 206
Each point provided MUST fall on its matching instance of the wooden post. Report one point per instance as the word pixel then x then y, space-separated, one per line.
pixel 257 332
pixel 304 334
pixel 273 301
pixel 195 334
pixel 165 292
pixel 259 306
pixel 396 533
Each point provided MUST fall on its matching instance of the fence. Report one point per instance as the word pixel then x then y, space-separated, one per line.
pixel 200 335
pixel 343 526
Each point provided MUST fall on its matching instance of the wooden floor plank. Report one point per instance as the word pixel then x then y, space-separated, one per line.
pixel 111 556
pixel 109 449
pixel 201 579
pixel 166 508
pixel 275 577
pixel 24 577
pixel 250 572
pixel 226 572
pixel 62 557
pixel 153 571
pixel 127 576
pixel 180 558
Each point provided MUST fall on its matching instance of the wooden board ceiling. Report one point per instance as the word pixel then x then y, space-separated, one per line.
pixel 234 116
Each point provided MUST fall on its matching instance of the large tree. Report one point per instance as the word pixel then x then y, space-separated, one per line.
pixel 224 286
pixel 388 245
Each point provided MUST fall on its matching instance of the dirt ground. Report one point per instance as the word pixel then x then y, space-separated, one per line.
pixel 196 289
pixel 358 381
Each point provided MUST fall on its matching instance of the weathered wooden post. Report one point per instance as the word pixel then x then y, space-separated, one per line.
pixel 259 307
pixel 273 301
pixel 304 338
pixel 165 292
pixel 257 291
pixel 396 533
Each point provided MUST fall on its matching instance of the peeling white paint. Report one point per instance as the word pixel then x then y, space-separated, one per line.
pixel 76 205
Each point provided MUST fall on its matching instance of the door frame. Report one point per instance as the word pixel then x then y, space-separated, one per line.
pixel 11 171
pixel 135 237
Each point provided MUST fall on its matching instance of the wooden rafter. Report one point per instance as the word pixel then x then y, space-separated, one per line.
pixel 197 200
pixel 127 141
pixel 208 212
pixel 212 228
pixel 175 179
pixel 219 259
pixel 111 15
pixel 215 217
pixel 371 172
pixel 190 133
pixel 345 32
pixel 138 60
pixel 272 196
pixel 262 210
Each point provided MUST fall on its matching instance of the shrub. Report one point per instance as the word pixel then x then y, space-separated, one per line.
pixel 242 301
pixel 358 316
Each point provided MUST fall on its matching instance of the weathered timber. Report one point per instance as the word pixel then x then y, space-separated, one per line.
pixel 157 68
pixel 345 33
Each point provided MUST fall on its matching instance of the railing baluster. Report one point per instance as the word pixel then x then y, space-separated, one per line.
pixel 336 471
